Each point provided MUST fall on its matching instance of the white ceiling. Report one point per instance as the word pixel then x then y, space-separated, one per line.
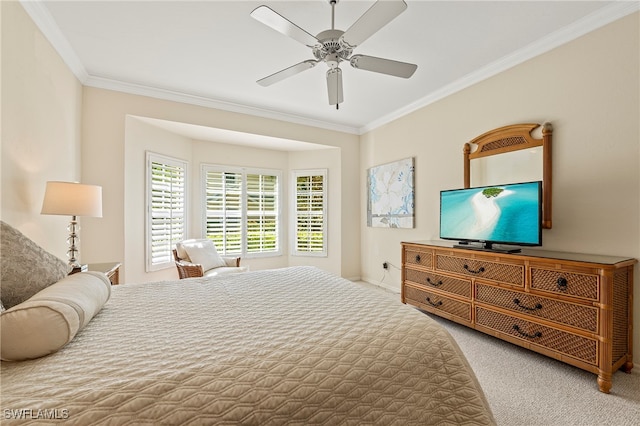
pixel 212 52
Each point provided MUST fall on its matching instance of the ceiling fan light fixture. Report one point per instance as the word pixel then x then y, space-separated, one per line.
pixel 334 86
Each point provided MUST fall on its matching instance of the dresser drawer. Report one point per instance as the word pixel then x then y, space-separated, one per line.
pixel 583 317
pixel 414 256
pixel 441 282
pixel 568 283
pixel 502 272
pixel 562 342
pixel 435 302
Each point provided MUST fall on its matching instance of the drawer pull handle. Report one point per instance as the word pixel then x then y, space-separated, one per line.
pixel 418 258
pixel 562 283
pixel 530 336
pixel 434 304
pixel 439 283
pixel 478 271
pixel 535 308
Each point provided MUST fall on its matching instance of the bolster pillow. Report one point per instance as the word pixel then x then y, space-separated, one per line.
pixel 49 319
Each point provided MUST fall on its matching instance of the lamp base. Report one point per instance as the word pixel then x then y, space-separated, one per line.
pixel 73 240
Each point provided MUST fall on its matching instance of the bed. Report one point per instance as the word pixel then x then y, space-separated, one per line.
pixel 286 346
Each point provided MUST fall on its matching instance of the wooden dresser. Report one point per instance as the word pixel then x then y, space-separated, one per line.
pixel 576 308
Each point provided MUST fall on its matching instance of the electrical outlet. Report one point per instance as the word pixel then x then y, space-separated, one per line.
pixel 385 265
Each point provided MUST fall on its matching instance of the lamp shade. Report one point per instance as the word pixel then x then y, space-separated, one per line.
pixel 72 199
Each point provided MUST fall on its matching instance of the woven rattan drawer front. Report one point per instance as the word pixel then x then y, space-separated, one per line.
pixel 562 342
pixel 584 317
pixel 415 256
pixel 435 302
pixel 572 284
pixel 441 282
pixel 503 272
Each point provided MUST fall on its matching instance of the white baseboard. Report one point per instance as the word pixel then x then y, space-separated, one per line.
pixel 390 287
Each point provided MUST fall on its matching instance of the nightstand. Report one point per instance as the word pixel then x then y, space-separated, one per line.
pixel 110 269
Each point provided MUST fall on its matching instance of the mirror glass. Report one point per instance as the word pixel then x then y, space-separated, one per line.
pixel 510 167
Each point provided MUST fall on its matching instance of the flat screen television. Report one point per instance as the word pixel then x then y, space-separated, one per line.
pixel 508 214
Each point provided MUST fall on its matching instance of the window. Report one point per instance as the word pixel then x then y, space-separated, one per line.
pixel 166 209
pixel 310 234
pixel 242 210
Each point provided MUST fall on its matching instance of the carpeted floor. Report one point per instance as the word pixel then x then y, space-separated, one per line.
pixel 525 388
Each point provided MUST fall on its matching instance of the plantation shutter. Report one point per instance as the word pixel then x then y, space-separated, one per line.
pixel 310 213
pixel 242 210
pixel 262 213
pixel 166 209
pixel 224 210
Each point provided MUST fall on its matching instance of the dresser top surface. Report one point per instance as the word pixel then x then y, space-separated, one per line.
pixel 546 254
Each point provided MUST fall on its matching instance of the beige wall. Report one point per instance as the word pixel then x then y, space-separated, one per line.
pixel 141 136
pixel 589 90
pixel 41 106
pixel 110 159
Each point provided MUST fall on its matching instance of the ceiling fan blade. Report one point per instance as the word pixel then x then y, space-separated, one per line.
pixel 384 66
pixel 287 72
pixel 380 14
pixel 273 19
pixel 334 86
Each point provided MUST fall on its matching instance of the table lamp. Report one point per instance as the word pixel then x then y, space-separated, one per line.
pixel 72 199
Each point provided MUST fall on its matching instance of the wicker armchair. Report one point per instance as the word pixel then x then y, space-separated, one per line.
pixel 186 269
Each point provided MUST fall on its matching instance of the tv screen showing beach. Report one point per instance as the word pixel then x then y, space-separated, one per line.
pixel 508 214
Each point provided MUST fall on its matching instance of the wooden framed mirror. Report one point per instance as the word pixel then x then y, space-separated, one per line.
pixel 511 154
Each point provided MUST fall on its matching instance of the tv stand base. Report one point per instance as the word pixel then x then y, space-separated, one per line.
pixel 487 247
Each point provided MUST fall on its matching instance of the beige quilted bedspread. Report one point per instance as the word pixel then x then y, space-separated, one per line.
pixel 288 346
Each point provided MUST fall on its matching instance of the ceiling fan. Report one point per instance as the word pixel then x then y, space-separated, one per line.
pixel 334 46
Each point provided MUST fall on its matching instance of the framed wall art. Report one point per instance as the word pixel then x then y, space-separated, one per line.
pixel 390 190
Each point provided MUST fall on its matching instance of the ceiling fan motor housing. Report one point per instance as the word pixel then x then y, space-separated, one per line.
pixel 330 50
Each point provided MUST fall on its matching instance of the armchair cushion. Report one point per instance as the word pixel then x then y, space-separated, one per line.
pixel 224 270
pixel 203 252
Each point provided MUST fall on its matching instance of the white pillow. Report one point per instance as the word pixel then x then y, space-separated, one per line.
pixel 51 318
pixel 204 252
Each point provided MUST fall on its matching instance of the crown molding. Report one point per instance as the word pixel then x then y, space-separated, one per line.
pixel 45 22
pixel 169 95
pixel 589 23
